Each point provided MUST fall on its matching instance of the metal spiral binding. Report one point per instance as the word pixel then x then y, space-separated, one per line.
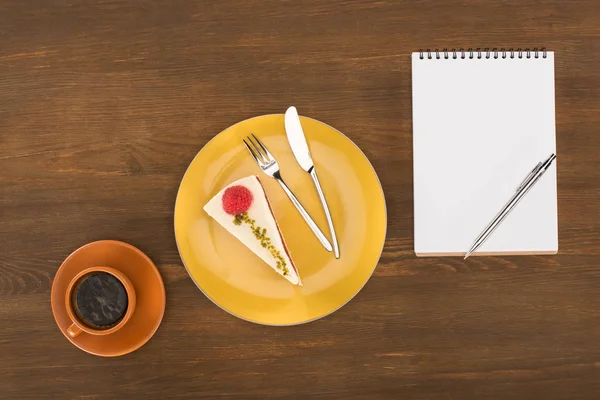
pixel 479 53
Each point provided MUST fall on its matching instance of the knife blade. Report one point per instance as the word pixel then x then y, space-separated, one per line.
pixel 295 135
pixel 297 140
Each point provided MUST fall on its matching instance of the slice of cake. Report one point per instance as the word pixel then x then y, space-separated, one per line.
pixel 243 209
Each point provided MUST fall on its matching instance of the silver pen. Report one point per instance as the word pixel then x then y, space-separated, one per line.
pixel 530 180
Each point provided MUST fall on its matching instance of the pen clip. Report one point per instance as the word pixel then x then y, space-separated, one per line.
pixel 529 175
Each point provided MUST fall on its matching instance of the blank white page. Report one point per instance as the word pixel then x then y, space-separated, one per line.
pixel 479 127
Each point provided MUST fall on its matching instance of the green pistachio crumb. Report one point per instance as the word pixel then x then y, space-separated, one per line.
pixel 265 241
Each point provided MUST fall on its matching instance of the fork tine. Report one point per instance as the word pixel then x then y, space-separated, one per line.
pixel 263 147
pixel 259 162
pixel 260 153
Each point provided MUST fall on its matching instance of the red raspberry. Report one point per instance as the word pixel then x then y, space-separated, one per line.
pixel 237 199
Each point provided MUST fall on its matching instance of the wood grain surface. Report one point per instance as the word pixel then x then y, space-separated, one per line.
pixel 103 104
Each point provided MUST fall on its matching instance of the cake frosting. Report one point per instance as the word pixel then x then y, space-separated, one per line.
pixel 242 208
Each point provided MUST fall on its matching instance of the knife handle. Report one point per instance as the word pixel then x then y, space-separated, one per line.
pixel 307 218
pixel 336 249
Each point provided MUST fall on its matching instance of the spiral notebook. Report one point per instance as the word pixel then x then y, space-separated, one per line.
pixel 481 121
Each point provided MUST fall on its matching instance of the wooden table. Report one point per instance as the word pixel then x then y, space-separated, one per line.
pixel 103 104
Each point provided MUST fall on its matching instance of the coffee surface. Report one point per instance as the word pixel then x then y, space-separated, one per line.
pixel 100 300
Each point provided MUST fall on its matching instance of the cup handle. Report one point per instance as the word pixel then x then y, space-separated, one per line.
pixel 73 330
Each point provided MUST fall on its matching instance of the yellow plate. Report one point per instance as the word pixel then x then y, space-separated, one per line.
pixel 238 281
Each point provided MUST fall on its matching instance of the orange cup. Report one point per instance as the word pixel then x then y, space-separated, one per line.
pixel 77 326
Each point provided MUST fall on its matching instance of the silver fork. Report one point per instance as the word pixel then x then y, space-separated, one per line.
pixel 269 166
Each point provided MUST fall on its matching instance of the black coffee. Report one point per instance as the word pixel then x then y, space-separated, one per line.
pixel 100 300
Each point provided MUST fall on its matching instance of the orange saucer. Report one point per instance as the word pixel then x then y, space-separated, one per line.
pixel 149 289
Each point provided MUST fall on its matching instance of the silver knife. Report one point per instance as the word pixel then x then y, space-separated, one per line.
pixel 297 140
